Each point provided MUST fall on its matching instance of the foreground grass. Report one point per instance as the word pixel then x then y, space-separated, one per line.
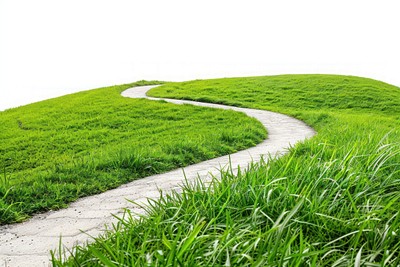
pixel 332 201
pixel 58 150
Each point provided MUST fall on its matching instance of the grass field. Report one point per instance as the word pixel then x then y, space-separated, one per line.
pixel 332 201
pixel 58 150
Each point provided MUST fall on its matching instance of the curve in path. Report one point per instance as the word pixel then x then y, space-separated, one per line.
pixel 29 243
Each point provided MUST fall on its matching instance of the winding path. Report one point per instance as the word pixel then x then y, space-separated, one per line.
pixel 29 243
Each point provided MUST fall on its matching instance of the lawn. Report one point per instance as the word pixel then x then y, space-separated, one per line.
pixel 55 151
pixel 332 201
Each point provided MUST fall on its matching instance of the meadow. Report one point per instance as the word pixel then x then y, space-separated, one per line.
pixel 332 200
pixel 55 151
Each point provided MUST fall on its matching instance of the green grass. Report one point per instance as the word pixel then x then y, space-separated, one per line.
pixel 291 93
pixel 58 150
pixel 332 201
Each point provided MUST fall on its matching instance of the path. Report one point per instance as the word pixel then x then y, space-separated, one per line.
pixel 29 243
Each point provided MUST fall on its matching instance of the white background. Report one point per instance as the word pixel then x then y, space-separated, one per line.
pixel 53 47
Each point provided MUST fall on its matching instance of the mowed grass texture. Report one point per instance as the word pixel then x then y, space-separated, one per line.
pixel 56 151
pixel 333 200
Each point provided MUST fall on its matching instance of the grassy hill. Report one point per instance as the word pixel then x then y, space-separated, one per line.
pixel 333 200
pixel 55 151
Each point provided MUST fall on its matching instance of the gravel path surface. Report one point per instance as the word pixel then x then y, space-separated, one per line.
pixel 29 243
